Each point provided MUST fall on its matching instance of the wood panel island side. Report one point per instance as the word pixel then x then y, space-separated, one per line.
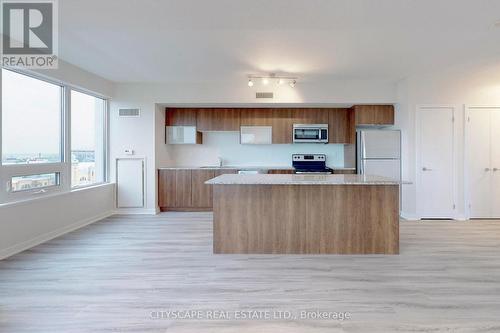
pixel 305 214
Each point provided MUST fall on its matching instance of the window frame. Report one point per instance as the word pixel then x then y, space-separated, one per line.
pixel 7 171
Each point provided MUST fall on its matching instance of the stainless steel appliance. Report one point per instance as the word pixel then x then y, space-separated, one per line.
pixel 379 153
pixel 310 133
pixel 310 164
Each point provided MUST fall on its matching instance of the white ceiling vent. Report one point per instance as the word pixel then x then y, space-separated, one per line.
pixel 129 112
pixel 264 95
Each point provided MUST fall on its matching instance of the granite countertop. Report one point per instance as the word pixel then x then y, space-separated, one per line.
pixel 291 179
pixel 245 167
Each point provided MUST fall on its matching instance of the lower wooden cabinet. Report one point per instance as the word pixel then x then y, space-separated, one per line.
pixel 220 172
pixel 201 194
pixel 174 188
pixel 344 172
pixel 185 189
pixel 280 171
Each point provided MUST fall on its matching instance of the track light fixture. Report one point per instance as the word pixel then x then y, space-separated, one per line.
pixel 278 79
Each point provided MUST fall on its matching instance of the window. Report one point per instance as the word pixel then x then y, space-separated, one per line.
pixel 23 183
pixel 87 139
pixel 41 150
pixel 31 120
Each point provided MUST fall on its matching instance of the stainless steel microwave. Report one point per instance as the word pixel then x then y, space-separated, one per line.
pixel 310 133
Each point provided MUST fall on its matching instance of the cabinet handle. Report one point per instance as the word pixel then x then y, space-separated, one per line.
pixel 426 169
pixel 486 169
pixel 495 169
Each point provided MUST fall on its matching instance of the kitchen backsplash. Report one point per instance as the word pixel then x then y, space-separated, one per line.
pixel 226 145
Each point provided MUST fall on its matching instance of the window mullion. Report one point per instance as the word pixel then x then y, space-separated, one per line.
pixel 66 129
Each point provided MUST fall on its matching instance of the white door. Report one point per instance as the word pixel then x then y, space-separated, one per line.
pixel 495 163
pixel 435 167
pixel 478 162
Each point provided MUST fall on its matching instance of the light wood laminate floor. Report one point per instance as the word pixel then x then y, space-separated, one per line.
pixel 111 276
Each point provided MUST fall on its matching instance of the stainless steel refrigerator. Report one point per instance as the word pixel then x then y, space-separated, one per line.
pixel 379 152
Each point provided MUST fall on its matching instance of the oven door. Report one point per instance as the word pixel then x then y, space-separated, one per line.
pixel 309 134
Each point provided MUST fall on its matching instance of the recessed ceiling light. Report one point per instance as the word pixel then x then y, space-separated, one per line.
pixel 265 81
pixel 250 83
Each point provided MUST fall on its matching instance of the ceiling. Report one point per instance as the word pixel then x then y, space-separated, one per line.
pixel 224 40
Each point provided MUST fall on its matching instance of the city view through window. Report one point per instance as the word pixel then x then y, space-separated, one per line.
pixel 32 131
pixel 87 139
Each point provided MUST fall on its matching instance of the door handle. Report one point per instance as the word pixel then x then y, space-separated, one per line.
pixel 426 169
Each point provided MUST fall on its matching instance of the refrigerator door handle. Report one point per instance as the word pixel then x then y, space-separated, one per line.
pixel 362 144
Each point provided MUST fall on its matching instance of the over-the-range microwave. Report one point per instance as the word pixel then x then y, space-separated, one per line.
pixel 310 133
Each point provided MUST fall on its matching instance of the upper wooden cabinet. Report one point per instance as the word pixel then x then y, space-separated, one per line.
pixel 341 127
pixel 310 116
pixel 282 123
pixel 374 114
pixel 180 117
pixel 215 119
pixel 256 117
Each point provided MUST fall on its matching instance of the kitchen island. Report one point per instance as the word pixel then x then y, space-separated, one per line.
pixel 305 214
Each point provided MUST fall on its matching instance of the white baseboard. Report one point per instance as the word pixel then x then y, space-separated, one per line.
pixel 137 211
pixel 5 253
pixel 409 217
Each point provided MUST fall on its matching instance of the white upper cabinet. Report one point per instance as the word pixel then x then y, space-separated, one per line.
pixel 256 135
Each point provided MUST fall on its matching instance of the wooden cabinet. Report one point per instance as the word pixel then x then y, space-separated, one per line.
pixel 374 114
pixel 344 172
pixel 219 172
pixel 310 116
pixel 185 190
pixel 218 119
pixel 256 117
pixel 180 117
pixel 166 188
pixel 280 171
pixel 174 188
pixel 341 126
pixel 282 123
pixel 201 194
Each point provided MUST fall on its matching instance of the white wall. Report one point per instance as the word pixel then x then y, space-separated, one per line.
pixel 473 84
pixel 26 224
pixel 146 134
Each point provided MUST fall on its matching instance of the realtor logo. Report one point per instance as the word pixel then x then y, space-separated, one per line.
pixel 29 34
